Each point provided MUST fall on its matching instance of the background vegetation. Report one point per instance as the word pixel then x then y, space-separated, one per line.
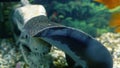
pixel 87 15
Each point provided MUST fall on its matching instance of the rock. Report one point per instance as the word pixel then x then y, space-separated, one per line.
pixel 9 54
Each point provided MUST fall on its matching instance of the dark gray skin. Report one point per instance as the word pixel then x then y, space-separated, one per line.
pixel 82 44
pixel 86 47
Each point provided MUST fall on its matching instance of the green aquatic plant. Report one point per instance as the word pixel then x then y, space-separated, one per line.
pixel 84 15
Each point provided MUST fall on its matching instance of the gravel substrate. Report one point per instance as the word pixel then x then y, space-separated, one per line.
pixel 10 56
